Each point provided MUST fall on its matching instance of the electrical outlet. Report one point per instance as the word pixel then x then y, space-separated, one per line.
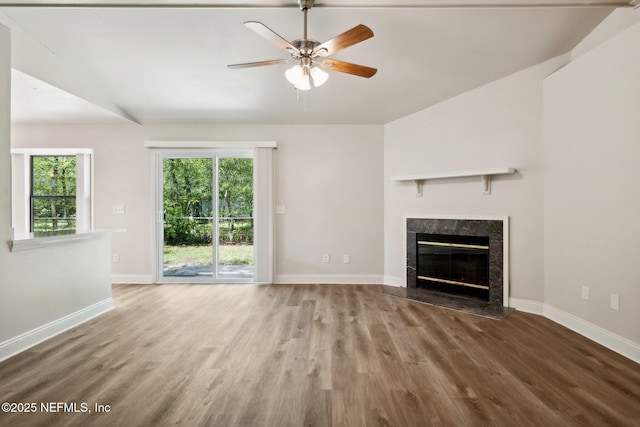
pixel 614 301
pixel 346 259
pixel 281 210
pixel 326 258
pixel 118 210
pixel 116 257
pixel 585 293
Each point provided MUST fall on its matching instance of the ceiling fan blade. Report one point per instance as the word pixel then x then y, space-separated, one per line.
pixel 348 38
pixel 260 63
pixel 272 36
pixel 347 67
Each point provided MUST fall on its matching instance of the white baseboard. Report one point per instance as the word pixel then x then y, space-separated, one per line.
pixel 356 279
pixel 35 336
pixel 132 279
pixel 394 281
pixel 349 279
pixel 612 341
pixel 528 306
pixel 617 343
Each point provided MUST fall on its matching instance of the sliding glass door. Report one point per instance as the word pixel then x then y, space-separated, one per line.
pixel 235 218
pixel 206 227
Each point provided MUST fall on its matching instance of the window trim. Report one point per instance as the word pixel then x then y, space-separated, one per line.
pixel 21 188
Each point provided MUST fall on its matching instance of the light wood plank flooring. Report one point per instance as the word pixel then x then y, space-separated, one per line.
pixel 325 355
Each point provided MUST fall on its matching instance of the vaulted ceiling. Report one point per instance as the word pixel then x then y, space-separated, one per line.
pixel 167 61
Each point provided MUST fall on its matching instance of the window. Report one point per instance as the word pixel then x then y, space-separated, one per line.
pixel 51 191
pixel 53 194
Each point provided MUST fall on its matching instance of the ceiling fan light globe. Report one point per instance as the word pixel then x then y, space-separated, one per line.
pixel 294 74
pixel 303 83
pixel 319 76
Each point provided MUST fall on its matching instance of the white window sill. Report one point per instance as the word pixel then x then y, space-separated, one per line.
pixel 29 241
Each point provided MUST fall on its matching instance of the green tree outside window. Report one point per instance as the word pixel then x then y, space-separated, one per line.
pixel 53 194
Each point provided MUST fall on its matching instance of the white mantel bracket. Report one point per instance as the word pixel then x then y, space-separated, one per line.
pixel 485 174
pixel 486 183
pixel 419 184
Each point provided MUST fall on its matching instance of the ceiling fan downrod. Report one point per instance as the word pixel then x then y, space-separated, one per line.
pixel 305 45
pixel 305 5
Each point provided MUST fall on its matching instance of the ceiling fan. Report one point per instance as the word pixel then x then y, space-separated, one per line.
pixel 310 55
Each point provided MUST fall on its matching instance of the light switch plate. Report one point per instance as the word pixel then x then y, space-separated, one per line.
pixel 615 302
pixel 281 210
pixel 585 293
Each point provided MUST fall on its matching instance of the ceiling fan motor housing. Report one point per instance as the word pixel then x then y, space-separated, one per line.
pixel 305 47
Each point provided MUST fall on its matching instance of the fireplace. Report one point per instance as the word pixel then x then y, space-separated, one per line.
pixel 459 257
pixel 453 264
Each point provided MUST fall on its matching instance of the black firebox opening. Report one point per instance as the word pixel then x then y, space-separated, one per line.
pixel 453 264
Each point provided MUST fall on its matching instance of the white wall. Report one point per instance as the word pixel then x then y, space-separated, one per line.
pixel 592 196
pixel 122 171
pixel 328 177
pixel 42 291
pixel 499 124
pixel 5 142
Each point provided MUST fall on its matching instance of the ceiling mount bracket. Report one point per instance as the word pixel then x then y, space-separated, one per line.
pixel 305 4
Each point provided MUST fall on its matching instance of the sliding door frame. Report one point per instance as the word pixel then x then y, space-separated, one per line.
pixel 263 193
pixel 158 209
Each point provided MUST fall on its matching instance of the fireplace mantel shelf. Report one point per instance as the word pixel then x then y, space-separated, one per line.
pixel 485 174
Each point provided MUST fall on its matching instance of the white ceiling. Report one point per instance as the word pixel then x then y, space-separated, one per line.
pixel 34 101
pixel 160 64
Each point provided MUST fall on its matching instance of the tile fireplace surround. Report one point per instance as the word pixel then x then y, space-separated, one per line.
pixel 494 228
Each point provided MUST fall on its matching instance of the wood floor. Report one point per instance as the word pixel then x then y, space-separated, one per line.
pixel 326 355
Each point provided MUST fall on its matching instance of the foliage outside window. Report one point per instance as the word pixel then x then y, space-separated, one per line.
pixel 188 195
pixel 187 201
pixel 53 194
pixel 235 192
